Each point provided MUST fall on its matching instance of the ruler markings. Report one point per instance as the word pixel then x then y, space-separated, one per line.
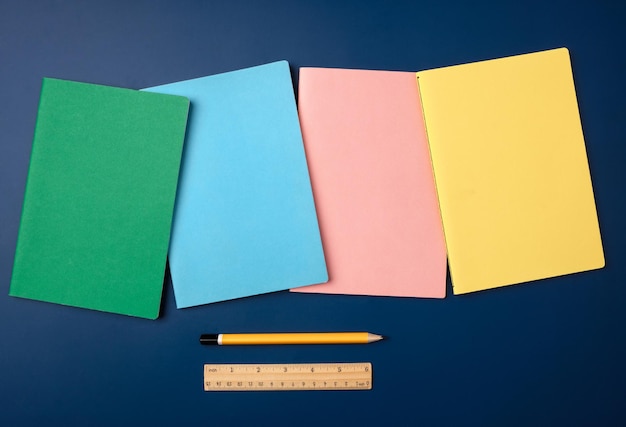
pixel 293 376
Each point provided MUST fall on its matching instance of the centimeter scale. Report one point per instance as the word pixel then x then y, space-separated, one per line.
pixel 284 377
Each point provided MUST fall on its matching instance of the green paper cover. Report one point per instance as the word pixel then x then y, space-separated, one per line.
pixel 99 198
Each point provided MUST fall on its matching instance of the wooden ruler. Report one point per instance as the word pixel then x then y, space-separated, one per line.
pixel 282 377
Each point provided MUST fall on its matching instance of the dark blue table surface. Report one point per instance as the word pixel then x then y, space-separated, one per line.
pixel 545 353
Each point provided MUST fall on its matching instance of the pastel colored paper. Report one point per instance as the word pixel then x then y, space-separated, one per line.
pixel 99 198
pixel 245 221
pixel 373 184
pixel 511 170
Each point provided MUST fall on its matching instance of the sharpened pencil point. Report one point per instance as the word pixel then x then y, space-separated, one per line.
pixel 374 337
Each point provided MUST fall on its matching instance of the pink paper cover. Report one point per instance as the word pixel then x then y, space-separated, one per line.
pixel 372 182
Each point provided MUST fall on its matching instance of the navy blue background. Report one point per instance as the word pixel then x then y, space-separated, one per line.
pixel 545 353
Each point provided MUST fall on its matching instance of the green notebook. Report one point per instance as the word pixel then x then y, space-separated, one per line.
pixel 99 198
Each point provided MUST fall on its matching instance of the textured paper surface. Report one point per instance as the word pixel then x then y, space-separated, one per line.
pixel 511 170
pixel 99 198
pixel 373 183
pixel 245 221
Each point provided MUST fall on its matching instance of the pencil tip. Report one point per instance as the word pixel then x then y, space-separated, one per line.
pixel 373 337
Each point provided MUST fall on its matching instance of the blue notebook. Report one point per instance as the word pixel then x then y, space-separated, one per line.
pixel 244 219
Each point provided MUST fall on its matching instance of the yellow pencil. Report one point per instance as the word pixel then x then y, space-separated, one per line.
pixel 290 338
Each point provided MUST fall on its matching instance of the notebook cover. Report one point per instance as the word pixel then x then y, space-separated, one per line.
pixel 511 170
pixel 373 183
pixel 245 221
pixel 99 198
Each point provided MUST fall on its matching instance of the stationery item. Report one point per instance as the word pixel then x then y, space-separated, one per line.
pixel 373 183
pixel 285 377
pixel 244 221
pixel 511 170
pixel 99 198
pixel 290 338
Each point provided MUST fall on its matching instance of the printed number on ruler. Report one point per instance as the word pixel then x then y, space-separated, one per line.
pixel 281 377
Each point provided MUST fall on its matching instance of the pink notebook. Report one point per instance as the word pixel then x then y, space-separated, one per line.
pixel 372 181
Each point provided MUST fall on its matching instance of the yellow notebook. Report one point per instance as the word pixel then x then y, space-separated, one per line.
pixel 511 170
